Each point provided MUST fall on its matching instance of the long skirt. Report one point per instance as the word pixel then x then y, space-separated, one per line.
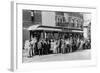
pixel 31 52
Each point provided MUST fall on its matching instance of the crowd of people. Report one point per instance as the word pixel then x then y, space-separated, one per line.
pixel 55 46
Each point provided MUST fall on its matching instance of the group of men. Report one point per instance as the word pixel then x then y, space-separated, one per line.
pixel 53 46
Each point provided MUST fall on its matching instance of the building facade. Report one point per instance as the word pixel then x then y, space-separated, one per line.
pixel 87 26
pixel 54 24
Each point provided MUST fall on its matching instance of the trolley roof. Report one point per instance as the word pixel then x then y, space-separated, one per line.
pixel 53 28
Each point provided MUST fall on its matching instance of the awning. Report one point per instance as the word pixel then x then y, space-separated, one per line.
pixel 38 27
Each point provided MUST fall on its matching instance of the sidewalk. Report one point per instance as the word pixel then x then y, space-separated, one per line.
pixel 78 55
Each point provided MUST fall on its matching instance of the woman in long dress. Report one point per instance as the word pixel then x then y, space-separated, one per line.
pixel 81 44
pixel 26 48
pixel 32 47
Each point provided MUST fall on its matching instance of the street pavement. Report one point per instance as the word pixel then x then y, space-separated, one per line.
pixel 78 55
